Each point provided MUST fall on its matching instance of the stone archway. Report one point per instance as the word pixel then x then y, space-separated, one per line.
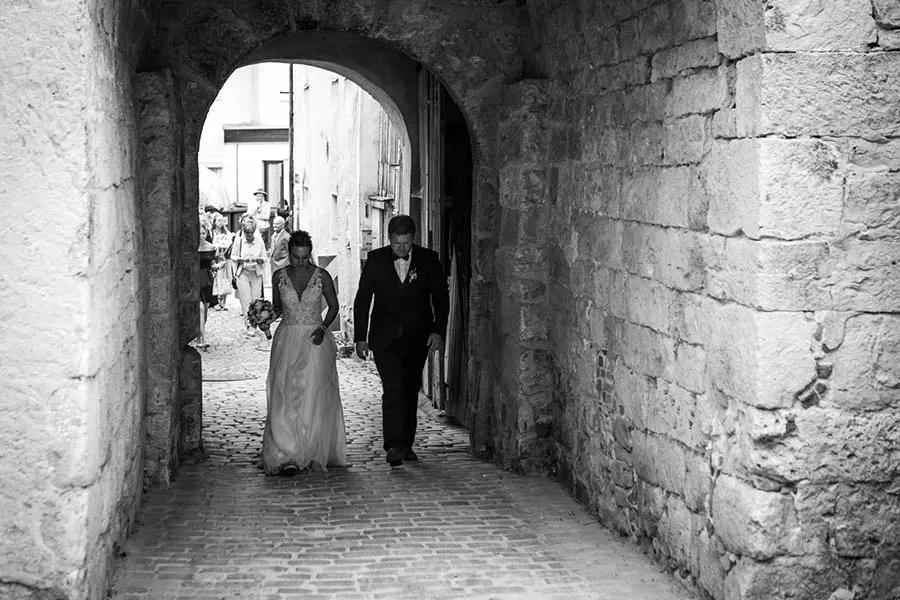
pixel 473 52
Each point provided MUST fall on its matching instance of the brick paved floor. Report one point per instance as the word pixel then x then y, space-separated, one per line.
pixel 449 526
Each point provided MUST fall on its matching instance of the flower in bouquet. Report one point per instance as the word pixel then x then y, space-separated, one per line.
pixel 261 314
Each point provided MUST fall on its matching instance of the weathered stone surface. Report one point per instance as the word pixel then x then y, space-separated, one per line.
pixel 872 205
pixel 843 94
pixel 691 55
pixel 829 445
pixel 785 577
pixel 866 372
pixel 671 256
pixel 860 520
pixel 731 172
pixel 793 25
pixel 800 25
pixel 887 13
pixel 741 27
pixel 785 189
pixel 703 91
pixel 889 39
pixel 750 522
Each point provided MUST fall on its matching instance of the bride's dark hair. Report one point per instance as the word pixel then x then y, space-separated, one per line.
pixel 300 238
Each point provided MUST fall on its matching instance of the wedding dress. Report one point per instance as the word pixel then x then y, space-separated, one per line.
pixel 305 419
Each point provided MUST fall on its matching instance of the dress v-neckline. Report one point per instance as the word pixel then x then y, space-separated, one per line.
pixel 306 287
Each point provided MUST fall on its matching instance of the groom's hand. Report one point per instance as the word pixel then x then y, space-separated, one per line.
pixel 435 343
pixel 362 350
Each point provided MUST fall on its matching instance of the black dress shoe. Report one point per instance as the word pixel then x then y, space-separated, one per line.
pixel 395 457
pixel 409 455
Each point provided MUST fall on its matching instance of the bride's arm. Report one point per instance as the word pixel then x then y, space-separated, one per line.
pixel 333 307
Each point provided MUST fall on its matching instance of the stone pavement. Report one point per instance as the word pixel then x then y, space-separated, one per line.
pixel 449 526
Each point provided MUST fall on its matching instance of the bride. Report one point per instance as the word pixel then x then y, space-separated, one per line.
pixel 305 419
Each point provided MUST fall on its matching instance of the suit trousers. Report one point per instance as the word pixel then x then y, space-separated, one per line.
pixel 400 367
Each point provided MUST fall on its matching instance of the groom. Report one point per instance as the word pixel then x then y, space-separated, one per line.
pixel 409 320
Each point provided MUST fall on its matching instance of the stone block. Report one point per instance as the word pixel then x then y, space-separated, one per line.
pixel 872 204
pixel 533 322
pixel 713 562
pixel 647 351
pixel 662 196
pixel 600 240
pixel 829 445
pixel 655 30
pixel 864 276
pixel 793 276
pixel 732 179
pixel 859 519
pixel 522 188
pixel 796 578
pixel 670 411
pixel 645 146
pixel 678 530
pixel 819 94
pixel 689 368
pixel 618 304
pixel 801 189
pixel 687 140
pixel 787 189
pixel 671 256
pixel 659 461
pixel 889 39
pixel 752 522
pixel 694 54
pixel 728 335
pixel 866 374
pixel 741 27
pixel 701 92
pixel 887 13
pixel 534 371
pixel 620 76
pixel 733 269
pixel 634 391
pixel 648 303
pixel 818 25
pixel 785 363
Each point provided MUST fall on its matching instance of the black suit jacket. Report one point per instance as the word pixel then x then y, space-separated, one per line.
pixel 414 308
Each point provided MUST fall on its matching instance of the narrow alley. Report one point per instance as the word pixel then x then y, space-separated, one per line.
pixel 449 526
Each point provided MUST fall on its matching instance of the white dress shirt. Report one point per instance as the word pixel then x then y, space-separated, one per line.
pixel 402 266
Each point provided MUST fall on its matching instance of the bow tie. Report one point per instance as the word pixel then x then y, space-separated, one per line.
pixel 401 257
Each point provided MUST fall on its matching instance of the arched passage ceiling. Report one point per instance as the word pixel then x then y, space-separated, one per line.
pixel 472 46
pixel 386 74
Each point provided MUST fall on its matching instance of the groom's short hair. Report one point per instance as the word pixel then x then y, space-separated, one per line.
pixel 401 225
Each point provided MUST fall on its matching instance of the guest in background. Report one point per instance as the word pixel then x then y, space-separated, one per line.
pixel 249 257
pixel 284 211
pixel 222 240
pixel 278 252
pixel 207 253
pixel 261 210
pixel 206 227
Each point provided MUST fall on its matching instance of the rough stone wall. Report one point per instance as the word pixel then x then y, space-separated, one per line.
pixel 74 298
pixel 723 284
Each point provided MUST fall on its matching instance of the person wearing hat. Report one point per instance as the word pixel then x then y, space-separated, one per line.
pixel 260 210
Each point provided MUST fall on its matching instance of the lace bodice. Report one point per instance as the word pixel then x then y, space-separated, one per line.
pixel 300 311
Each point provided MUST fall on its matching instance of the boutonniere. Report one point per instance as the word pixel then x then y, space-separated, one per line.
pixel 413 274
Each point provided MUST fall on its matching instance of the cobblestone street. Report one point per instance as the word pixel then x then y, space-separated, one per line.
pixel 449 526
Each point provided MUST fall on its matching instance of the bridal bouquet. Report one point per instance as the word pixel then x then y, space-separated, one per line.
pixel 260 314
